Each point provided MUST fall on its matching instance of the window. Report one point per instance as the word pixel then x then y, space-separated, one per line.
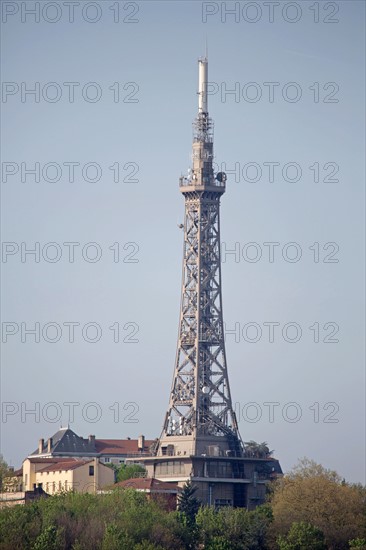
pixel 107 459
pixel 59 485
pixel 65 484
pixel 219 469
pixel 91 470
pixel 170 467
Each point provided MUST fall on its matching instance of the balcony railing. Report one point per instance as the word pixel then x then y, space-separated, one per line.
pixel 184 181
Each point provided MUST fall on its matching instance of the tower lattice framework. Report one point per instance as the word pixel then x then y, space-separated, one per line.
pixel 200 408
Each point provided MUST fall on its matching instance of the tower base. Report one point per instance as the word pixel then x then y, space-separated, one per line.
pixel 220 481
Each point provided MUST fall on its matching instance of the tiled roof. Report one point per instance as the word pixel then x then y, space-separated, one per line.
pixel 66 442
pixel 64 465
pixel 52 460
pixel 120 446
pixel 149 484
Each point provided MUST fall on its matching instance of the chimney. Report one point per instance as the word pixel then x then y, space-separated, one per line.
pixel 141 443
pixel 40 446
pixel 91 439
pixel 49 445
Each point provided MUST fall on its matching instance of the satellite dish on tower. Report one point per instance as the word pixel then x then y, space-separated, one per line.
pixel 221 177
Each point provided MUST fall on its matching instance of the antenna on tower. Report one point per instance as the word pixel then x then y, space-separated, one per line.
pixel 202 85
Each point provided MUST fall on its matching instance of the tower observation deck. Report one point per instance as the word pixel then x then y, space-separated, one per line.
pixel 200 438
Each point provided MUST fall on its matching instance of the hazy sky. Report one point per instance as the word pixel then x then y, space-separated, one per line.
pixel 120 92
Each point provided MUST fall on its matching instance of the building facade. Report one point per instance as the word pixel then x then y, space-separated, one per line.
pixel 67 461
pixel 55 475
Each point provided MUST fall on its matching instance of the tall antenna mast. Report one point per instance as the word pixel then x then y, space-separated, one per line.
pixel 200 410
pixel 200 439
pixel 202 85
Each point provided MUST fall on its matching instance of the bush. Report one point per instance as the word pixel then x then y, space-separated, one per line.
pixel 19 526
pixel 360 544
pixel 302 536
pixel 49 539
pixel 122 519
pixel 233 528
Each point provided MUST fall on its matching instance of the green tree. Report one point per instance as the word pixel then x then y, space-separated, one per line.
pixel 115 539
pixel 360 544
pixel 6 474
pixel 315 495
pixel 233 528
pixel 307 468
pixel 257 450
pixel 128 471
pixel 188 503
pixel 19 526
pixel 49 539
pixel 302 536
pixel 123 519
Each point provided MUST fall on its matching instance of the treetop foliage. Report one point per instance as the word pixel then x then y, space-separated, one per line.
pixel 307 468
pixel 317 496
pixel 309 509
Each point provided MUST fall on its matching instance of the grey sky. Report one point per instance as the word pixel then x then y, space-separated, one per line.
pixel 157 56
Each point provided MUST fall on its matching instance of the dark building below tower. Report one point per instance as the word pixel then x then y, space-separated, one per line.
pixel 221 480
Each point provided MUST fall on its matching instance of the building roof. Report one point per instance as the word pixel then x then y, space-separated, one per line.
pixel 275 466
pixel 149 485
pixel 66 441
pixel 120 446
pixel 43 459
pixel 64 465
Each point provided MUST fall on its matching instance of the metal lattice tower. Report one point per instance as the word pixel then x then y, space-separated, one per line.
pixel 200 414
